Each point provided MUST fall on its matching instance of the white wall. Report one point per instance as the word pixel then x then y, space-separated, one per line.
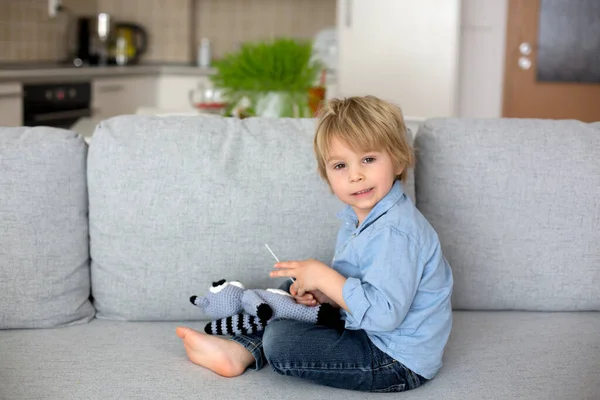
pixel 404 51
pixel 482 48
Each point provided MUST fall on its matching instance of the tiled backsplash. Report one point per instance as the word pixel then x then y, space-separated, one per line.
pixel 227 23
pixel 168 23
pixel 175 27
pixel 27 33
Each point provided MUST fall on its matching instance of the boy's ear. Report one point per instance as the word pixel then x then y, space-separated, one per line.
pixel 400 169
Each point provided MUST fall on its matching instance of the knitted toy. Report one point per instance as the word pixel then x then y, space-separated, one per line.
pixel 246 311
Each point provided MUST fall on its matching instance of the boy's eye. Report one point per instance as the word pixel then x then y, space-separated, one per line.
pixel 339 166
pixel 369 160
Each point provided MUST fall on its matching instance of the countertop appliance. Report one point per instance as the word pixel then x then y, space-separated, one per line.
pixel 92 40
pixel 99 40
pixel 129 42
pixel 58 105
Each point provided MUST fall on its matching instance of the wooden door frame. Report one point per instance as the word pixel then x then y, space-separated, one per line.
pixel 519 15
pixel 520 85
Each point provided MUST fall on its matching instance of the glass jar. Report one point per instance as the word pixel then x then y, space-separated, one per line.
pixel 207 99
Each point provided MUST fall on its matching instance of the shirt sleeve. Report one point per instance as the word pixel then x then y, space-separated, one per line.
pixel 391 273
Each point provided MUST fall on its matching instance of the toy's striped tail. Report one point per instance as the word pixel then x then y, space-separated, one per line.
pixel 239 324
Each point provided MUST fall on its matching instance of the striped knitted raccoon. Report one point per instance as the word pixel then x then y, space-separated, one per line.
pixel 237 310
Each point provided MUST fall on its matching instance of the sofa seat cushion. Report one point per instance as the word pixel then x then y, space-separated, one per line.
pixel 490 355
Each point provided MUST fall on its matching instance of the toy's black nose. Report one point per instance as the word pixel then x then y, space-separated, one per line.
pixel 193 299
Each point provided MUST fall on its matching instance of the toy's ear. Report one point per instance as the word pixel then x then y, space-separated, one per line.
pixel 218 283
pixel 237 284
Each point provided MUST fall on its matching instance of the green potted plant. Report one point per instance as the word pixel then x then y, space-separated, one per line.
pixel 268 78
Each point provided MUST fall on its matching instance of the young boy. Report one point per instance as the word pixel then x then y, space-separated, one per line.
pixel 388 274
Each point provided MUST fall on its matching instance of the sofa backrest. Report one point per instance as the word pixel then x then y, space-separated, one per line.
pixel 44 257
pixel 516 204
pixel 179 202
pixel 176 203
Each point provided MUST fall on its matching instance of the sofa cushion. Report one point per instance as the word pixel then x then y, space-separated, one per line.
pixel 490 355
pixel 179 202
pixel 515 203
pixel 409 184
pixel 44 257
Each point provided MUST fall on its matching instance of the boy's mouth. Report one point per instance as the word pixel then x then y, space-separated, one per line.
pixel 362 192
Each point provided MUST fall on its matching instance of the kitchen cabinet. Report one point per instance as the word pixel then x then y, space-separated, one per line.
pixel 123 95
pixel 173 91
pixel 404 51
pixel 11 104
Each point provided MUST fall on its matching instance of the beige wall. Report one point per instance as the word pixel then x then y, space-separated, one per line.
pixel 175 27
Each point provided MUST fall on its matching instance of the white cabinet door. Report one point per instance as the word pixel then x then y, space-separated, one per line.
pixel 173 93
pixel 404 51
pixel 11 104
pixel 117 96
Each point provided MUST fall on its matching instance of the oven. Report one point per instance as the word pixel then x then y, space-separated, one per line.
pixel 58 105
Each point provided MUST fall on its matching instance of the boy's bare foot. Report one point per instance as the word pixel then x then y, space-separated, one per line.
pixel 225 357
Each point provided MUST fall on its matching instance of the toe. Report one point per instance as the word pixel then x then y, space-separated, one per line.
pixel 182 331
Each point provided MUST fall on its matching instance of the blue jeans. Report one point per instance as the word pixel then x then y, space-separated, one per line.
pixel 346 359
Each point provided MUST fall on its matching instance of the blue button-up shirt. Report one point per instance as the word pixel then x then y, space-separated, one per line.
pixel 399 284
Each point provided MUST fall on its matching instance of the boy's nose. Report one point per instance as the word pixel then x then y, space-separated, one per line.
pixel 356 175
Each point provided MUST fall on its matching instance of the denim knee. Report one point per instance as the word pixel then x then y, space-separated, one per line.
pixel 270 338
pixel 279 340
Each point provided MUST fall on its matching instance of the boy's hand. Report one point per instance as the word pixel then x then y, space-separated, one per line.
pixel 307 274
pixel 312 298
pixel 315 278
pixel 321 298
pixel 307 299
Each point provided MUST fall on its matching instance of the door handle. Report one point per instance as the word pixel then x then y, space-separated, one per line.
pixel 524 63
pixel 525 49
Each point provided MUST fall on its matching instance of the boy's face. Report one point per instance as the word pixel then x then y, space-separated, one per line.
pixel 360 179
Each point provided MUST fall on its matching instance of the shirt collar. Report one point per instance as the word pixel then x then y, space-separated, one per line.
pixel 395 194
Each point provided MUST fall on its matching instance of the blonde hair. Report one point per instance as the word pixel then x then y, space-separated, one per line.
pixel 364 124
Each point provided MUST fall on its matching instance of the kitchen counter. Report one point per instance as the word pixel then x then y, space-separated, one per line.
pixel 54 72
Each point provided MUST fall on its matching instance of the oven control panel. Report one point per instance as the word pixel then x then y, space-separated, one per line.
pixel 56 104
pixel 57 94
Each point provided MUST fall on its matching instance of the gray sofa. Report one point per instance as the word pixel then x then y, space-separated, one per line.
pixel 158 207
